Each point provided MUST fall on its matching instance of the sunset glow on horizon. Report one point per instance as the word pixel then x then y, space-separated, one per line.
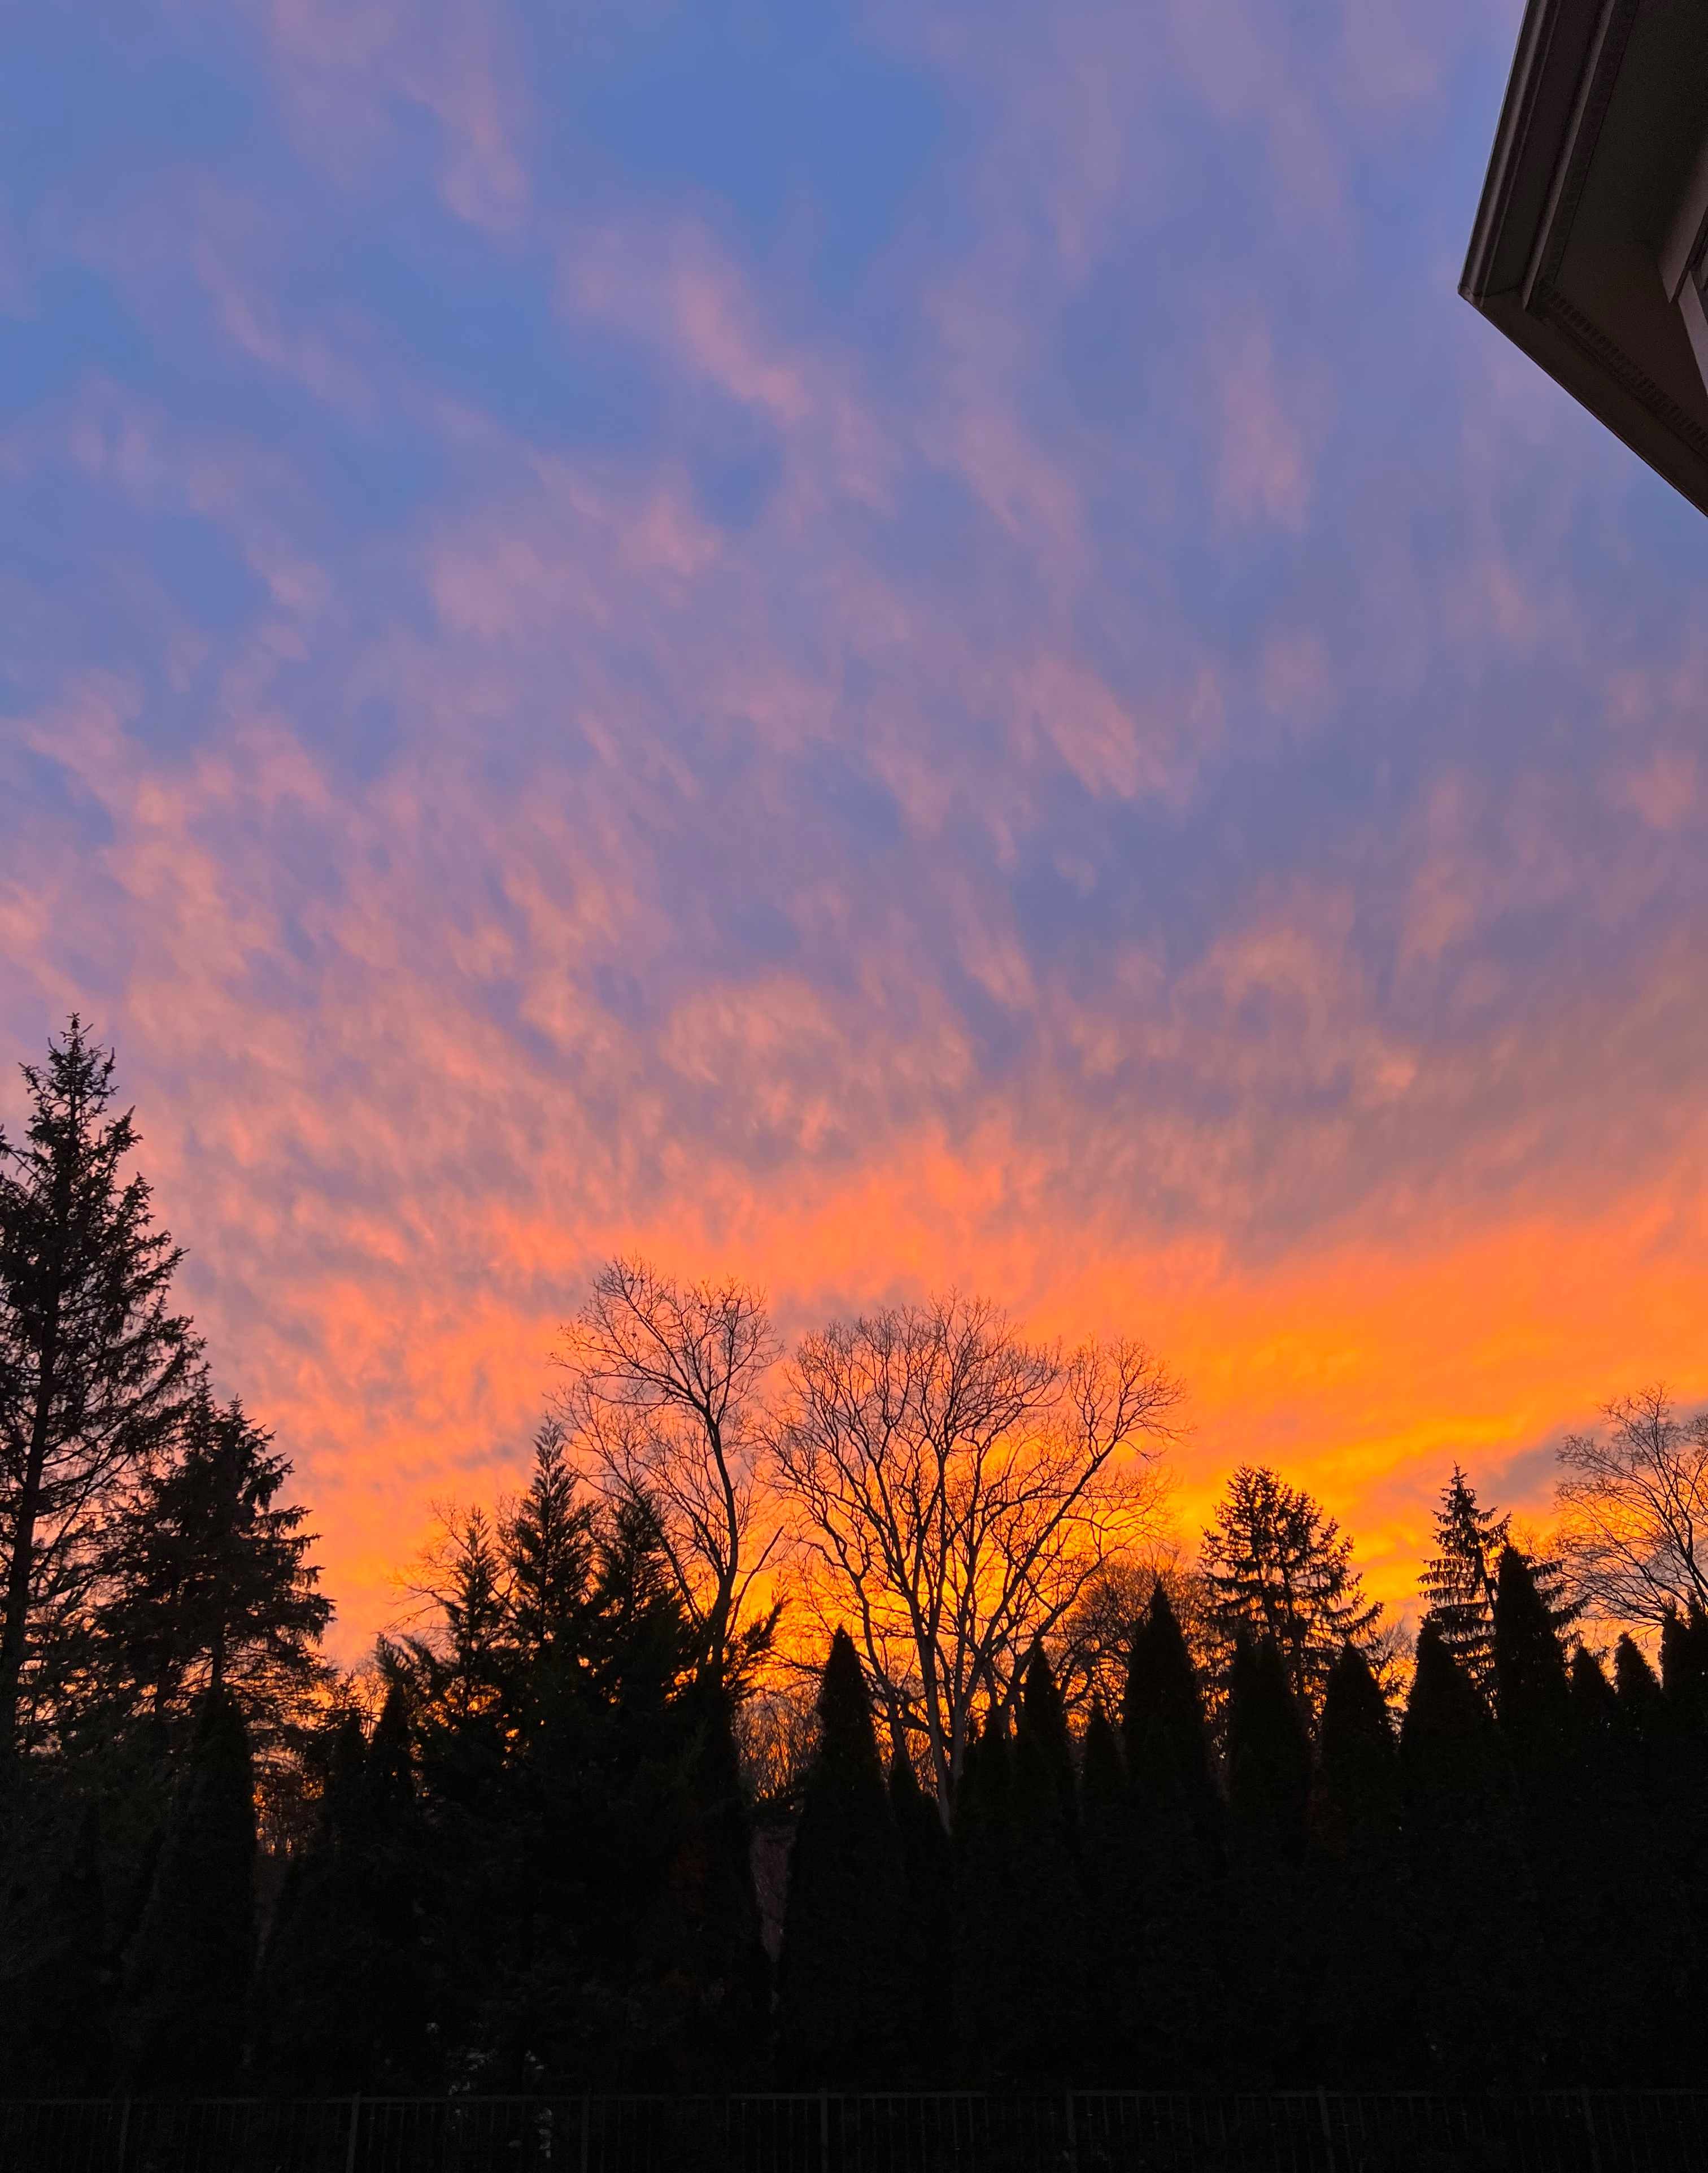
pixel 880 648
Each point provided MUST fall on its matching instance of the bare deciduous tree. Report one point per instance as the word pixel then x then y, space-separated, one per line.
pixel 1633 1508
pixel 663 1401
pixel 959 1488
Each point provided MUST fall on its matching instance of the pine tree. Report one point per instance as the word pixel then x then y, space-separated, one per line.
pixel 1477 1967
pixel 95 1369
pixel 1458 1584
pixel 1278 1567
pixel 187 1981
pixel 842 1986
pixel 207 1582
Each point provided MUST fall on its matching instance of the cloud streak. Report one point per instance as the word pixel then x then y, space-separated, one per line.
pixel 1103 748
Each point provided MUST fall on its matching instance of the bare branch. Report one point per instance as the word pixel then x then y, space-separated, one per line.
pixel 959 1487
pixel 1633 1506
pixel 663 1401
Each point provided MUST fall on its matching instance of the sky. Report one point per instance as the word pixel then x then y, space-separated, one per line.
pixel 876 646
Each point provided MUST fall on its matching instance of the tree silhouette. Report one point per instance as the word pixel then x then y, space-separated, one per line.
pixel 187 1982
pixel 1457 1583
pixel 95 1369
pixel 843 1982
pixel 1278 1567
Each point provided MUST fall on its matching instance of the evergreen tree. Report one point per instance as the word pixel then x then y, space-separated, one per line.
pixel 207 1582
pixel 1268 1789
pixel 1278 1567
pixel 1476 1972
pixel 95 1368
pixel 1113 1884
pixel 187 1981
pixel 983 1953
pixel 1044 1724
pixel 56 2009
pixel 1043 1922
pixel 842 2006
pixel 708 1957
pixel 1531 1693
pixel 1365 2029
pixel 1163 1690
pixel 1640 1698
pixel 1458 1580
pixel 314 2008
pixel 928 1876
pixel 1182 2018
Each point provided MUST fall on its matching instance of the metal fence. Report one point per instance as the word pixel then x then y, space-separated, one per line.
pixel 1083 2132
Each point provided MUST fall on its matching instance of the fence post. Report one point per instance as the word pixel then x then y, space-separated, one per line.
pixel 355 2129
pixel 1328 2132
pixel 824 2131
pixel 1073 2138
pixel 124 2134
pixel 586 2123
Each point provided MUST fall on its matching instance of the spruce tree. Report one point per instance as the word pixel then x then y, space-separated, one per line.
pixel 1278 1567
pixel 187 1980
pixel 1458 1579
pixel 1477 1969
pixel 95 1367
pixel 206 1581
pixel 842 1990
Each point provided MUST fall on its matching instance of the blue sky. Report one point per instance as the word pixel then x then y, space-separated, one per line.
pixel 880 644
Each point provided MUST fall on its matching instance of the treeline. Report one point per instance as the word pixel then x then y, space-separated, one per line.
pixel 1065 1806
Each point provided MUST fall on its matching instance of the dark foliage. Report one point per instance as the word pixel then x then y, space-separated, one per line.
pixel 843 1982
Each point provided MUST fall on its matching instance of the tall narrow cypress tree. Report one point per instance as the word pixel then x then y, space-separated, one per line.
pixel 187 1981
pixel 1044 1724
pixel 983 1854
pixel 1269 1789
pixel 1163 1686
pixel 1043 1920
pixel 711 1955
pixel 1366 2031
pixel 842 1988
pixel 1477 1955
pixel 1112 1881
pixel 1531 1688
pixel 928 1875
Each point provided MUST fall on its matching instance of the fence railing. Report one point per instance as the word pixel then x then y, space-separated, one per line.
pixel 1079 2131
